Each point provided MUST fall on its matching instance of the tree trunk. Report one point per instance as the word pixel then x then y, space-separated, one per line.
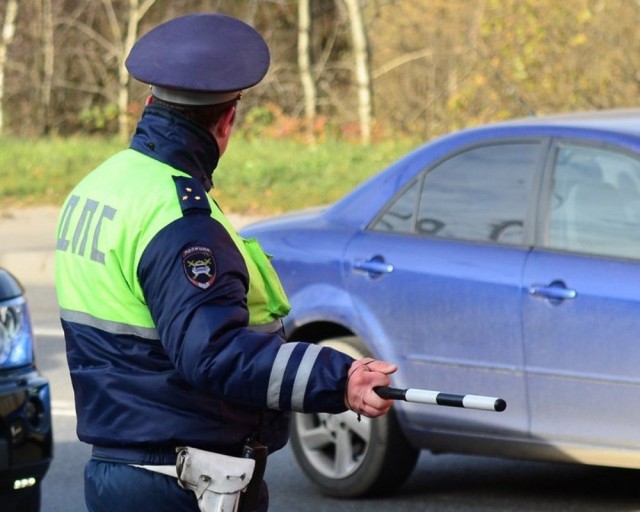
pixel 137 11
pixel 48 52
pixel 304 63
pixel 8 32
pixel 363 73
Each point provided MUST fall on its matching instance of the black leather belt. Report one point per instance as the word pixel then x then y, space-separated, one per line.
pixel 150 455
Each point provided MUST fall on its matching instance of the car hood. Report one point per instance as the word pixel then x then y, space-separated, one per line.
pixel 10 288
pixel 283 221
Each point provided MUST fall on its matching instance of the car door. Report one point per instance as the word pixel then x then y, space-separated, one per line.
pixel 436 280
pixel 581 314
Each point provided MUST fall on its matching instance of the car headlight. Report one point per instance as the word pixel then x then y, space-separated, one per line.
pixel 16 342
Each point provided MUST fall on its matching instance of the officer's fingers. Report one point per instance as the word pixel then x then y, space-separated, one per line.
pixel 382 367
pixel 375 412
pixel 360 395
pixel 363 380
pixel 376 379
pixel 361 364
pixel 364 376
pixel 374 406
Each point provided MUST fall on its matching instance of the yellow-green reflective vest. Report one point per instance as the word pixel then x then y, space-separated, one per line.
pixel 104 227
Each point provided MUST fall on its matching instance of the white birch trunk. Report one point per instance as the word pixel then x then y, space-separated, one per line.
pixel 48 52
pixel 137 11
pixel 8 32
pixel 363 73
pixel 304 63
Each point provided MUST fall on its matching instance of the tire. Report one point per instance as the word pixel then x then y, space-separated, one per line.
pixel 345 458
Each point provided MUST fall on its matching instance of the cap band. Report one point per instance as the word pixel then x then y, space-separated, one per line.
pixel 194 98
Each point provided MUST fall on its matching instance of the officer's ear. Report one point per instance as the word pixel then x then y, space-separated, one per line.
pixel 225 123
pixel 222 129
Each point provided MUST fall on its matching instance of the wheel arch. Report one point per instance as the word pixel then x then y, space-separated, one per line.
pixel 388 459
pixel 317 331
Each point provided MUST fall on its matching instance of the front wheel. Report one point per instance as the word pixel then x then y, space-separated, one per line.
pixel 347 458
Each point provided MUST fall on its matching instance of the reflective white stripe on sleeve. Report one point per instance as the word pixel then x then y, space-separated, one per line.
pixel 302 375
pixel 277 374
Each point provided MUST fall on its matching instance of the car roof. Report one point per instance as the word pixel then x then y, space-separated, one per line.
pixel 614 120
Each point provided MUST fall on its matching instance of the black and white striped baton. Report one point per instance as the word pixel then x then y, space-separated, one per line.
pixel 425 396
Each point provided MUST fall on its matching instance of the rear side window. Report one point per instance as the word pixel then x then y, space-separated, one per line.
pixel 595 204
pixel 481 194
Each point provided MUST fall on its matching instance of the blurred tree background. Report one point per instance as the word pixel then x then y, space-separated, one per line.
pixel 417 68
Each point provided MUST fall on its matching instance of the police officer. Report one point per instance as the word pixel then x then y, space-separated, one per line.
pixel 172 321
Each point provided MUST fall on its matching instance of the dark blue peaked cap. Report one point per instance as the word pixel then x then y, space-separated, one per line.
pixel 199 59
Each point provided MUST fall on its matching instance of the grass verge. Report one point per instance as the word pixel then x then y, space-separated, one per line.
pixel 254 177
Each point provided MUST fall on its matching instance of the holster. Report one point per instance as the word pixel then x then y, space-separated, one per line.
pixel 217 480
pixel 251 496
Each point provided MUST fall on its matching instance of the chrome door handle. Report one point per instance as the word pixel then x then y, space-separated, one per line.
pixel 375 265
pixel 554 291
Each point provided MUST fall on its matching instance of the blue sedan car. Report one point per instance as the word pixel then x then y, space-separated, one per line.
pixel 502 260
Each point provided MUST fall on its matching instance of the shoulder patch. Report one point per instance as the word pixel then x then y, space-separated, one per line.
pixel 199 266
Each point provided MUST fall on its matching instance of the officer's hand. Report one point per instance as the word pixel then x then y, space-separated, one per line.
pixel 364 375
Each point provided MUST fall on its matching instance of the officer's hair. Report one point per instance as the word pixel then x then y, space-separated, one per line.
pixel 206 115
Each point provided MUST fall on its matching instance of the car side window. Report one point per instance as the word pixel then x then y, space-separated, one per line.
pixel 481 194
pixel 595 203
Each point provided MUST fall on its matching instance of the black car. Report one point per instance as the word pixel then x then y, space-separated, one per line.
pixel 26 439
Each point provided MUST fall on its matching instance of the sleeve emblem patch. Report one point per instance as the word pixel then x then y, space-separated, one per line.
pixel 199 266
